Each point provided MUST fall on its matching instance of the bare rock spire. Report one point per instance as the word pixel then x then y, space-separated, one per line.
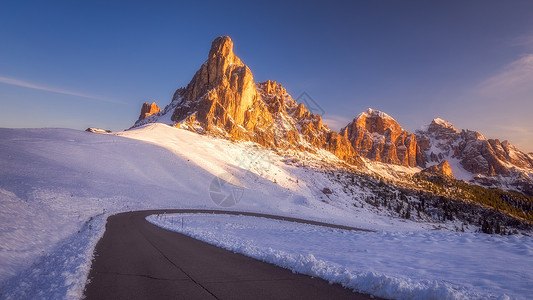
pixel 148 110
pixel 222 99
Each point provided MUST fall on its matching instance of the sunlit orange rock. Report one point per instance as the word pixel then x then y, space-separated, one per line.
pixel 222 99
pixel 148 110
pixel 443 169
pixel 377 136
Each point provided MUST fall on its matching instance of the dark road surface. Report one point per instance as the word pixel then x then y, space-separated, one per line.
pixel 138 260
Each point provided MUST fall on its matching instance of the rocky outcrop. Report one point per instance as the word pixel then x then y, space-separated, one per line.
pixel 148 109
pixel 441 173
pixel 97 130
pixel 223 100
pixel 377 136
pixel 443 169
pixel 507 152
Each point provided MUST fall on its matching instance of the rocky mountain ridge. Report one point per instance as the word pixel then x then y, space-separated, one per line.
pixel 488 162
pixel 222 99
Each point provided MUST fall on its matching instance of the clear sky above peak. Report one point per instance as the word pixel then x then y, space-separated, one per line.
pixel 79 64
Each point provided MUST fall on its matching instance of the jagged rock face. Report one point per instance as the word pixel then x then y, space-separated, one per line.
pixel 437 130
pixel 276 97
pixel 478 155
pixel 377 136
pixel 505 151
pixel 299 127
pixel 148 110
pixel 222 96
pixel 222 99
pixel 443 169
pixel 441 129
pixel 277 101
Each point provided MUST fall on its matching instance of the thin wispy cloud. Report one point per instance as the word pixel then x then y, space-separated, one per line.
pixel 25 84
pixel 506 99
pixel 515 78
pixel 525 41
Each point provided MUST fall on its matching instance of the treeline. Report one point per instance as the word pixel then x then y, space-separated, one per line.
pixel 493 211
pixel 512 203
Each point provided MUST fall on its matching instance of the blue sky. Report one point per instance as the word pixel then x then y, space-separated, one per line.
pixel 78 64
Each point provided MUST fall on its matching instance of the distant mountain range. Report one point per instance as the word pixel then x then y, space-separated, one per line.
pixel 223 100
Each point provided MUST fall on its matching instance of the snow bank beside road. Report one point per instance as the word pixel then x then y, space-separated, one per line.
pixel 421 265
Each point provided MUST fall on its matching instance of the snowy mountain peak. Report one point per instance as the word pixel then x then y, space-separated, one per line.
pixel 375 113
pixel 377 136
pixel 442 123
pixel 439 127
pixel 475 158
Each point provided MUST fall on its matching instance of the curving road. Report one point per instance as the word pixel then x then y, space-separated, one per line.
pixel 138 260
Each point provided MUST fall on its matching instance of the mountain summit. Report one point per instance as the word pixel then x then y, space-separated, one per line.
pixel 377 136
pixel 223 100
pixel 222 97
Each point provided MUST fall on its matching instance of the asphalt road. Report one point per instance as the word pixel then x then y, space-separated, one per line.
pixel 138 260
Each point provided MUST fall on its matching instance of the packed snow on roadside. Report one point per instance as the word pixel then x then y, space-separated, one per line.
pixel 407 265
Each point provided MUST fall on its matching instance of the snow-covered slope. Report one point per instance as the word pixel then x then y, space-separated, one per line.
pixel 289 184
pixel 57 186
